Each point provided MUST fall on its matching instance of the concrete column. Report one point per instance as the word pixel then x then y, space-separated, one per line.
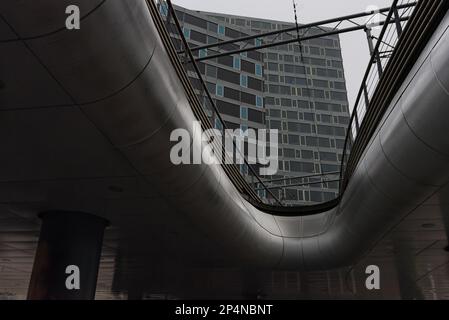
pixel 68 256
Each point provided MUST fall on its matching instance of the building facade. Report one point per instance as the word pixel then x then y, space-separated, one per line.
pixel 298 89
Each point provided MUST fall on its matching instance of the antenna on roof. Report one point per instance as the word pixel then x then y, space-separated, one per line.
pixel 297 27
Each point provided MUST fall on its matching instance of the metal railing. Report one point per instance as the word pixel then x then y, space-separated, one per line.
pixel 381 50
pixel 264 194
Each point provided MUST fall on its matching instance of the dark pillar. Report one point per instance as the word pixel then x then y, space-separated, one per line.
pixel 67 239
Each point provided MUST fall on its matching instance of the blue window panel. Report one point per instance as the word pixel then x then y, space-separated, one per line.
pixel 237 63
pixel 243 169
pixel 186 33
pixel 163 9
pixel 244 54
pixel 258 42
pixel 244 80
pixel 218 124
pixel 244 128
pixel 259 101
pixel 203 53
pixel 258 70
pixel 244 113
pixel 221 29
pixel 219 91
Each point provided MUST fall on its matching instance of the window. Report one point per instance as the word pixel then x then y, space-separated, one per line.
pixel 286 102
pixel 292 115
pixel 273 88
pixel 288 58
pixel 309 116
pixel 258 70
pixel 285 90
pixel 228 108
pixel 303 104
pixel 186 33
pixel 328 156
pixel 307 154
pixel 289 153
pixel 211 71
pixel 212 26
pixel 231 94
pixel 339 85
pixel 325 118
pixel 320 83
pixel 236 63
pixel 259 101
pixel 247 67
pixel 273 78
pixel 294 139
pixel 341 96
pixel 258 42
pixel 275 124
pixel 218 124
pixel 333 53
pixel 244 80
pixel 220 90
pixel 256 116
pixel 228 76
pixel 163 9
pixel 275 113
pixel 195 21
pixel 203 53
pixel 211 87
pixel 244 128
pixel 221 29
pixel 327 168
pixel 198 36
pixel 248 98
pixel 312 141
pixel 244 113
pixel 272 66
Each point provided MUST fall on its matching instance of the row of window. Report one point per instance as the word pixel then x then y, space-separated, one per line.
pixel 235 63
pixel 241 96
pixel 298 81
pixel 308 116
pixel 237 78
pixel 306 92
pixel 307 167
pixel 309 155
pixel 307 128
pixel 241 112
pixel 333 53
pixel 201 23
pixel 303 104
pixel 311 141
pixel 322 42
pixel 300 69
pixel 308 196
pixel 298 195
pixel 205 39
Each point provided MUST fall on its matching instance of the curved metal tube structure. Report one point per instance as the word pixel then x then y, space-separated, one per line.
pixel 116 69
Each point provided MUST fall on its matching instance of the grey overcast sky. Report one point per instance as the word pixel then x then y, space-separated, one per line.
pixel 354 45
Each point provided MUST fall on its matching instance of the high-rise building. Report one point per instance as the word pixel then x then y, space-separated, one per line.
pixel 298 89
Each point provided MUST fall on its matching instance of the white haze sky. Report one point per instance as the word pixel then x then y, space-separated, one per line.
pixel 354 44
